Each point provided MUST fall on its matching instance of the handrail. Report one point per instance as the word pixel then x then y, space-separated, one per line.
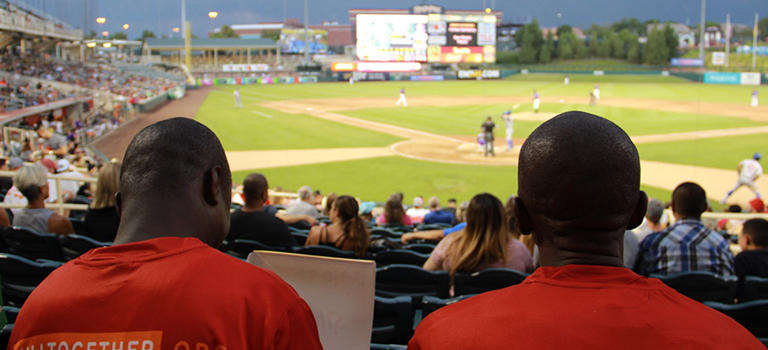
pixel 25 23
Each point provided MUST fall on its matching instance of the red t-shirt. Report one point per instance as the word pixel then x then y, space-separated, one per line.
pixel 581 307
pixel 165 293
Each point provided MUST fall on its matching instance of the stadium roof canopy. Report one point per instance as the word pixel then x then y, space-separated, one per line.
pixel 211 44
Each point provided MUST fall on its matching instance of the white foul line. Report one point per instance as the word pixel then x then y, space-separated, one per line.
pixel 264 114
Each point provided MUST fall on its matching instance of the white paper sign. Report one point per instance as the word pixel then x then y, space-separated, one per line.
pixel 339 292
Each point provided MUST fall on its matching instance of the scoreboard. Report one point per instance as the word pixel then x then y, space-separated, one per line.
pixel 434 38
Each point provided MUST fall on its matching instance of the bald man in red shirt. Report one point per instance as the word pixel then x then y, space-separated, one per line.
pixel 578 186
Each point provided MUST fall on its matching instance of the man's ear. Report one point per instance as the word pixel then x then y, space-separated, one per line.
pixel 119 203
pixel 639 213
pixel 524 222
pixel 212 186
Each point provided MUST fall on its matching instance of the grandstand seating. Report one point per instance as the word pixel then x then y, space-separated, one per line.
pixel 72 246
pixel 751 315
pixel 20 276
pixel 392 320
pixel 753 288
pixel 31 245
pixel 702 286
pixel 486 280
pixel 397 280
pixel 430 304
pixel 399 256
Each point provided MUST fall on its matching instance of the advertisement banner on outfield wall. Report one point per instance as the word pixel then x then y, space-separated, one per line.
pixel 750 78
pixel 427 78
pixel 481 74
pixel 722 78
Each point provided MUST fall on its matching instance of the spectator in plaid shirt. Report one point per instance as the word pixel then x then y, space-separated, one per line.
pixel 687 245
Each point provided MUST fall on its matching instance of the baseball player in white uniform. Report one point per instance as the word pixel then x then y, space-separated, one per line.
pixel 238 103
pixel 402 98
pixel 749 171
pixel 754 98
pixel 596 92
pixel 536 101
pixel 507 116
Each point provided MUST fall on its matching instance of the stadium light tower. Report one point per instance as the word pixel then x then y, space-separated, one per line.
pixel 126 26
pixel 101 20
pixel 701 30
pixel 183 17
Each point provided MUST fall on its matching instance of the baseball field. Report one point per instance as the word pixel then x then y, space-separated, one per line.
pixel 353 139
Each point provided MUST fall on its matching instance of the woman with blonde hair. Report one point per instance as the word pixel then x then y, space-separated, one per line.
pixel 32 181
pixel 347 230
pixel 101 218
pixel 484 243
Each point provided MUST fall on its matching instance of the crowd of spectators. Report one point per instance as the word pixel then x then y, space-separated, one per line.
pixel 131 85
pixel 17 95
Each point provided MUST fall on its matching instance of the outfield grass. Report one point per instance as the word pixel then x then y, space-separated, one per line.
pixel 466 120
pixel 720 152
pixel 624 86
pixel 258 128
pixel 375 179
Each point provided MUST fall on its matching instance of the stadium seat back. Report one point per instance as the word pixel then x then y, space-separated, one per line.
pixel 30 244
pixel 20 276
pixel 702 286
pixel 80 227
pixel 300 237
pixel 385 232
pixel 72 246
pixel 400 256
pixel 753 315
pixel 397 280
pixel 430 304
pixel 753 288
pixel 423 248
pixel 392 320
pixel 486 280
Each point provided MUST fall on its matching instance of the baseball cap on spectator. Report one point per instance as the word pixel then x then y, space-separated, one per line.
pixel 367 207
pixel 48 164
pixel 418 202
pixel 15 162
pixel 62 165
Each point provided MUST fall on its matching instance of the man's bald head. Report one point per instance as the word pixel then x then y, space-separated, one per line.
pixel 167 156
pixel 175 176
pixel 579 173
pixel 255 188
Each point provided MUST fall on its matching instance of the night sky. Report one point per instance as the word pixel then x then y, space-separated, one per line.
pixel 162 15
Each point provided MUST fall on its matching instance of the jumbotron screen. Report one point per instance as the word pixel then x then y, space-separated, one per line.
pixel 434 38
pixel 392 38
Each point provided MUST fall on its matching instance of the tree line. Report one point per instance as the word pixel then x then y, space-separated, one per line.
pixel 621 40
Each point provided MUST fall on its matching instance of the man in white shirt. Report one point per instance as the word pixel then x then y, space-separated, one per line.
pixel 749 171
pixel 417 211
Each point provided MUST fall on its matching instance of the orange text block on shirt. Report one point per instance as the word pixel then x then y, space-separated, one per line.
pixel 92 341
